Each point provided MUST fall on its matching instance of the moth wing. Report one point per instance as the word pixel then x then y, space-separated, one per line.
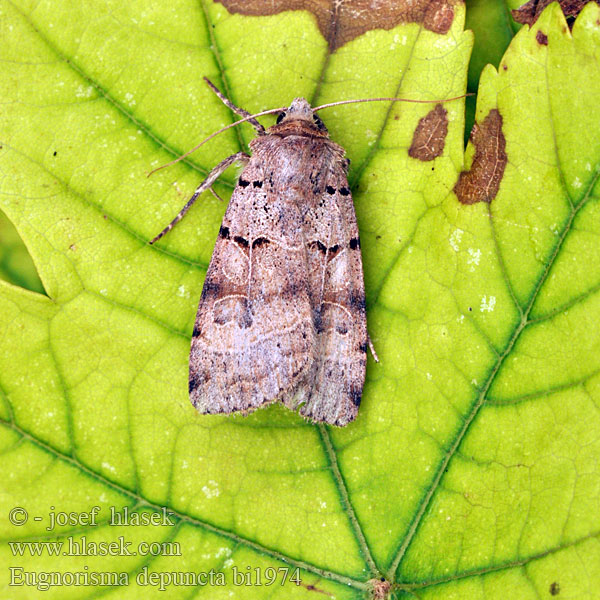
pixel 333 389
pixel 253 336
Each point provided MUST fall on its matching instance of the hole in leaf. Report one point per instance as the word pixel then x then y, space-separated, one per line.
pixel 16 264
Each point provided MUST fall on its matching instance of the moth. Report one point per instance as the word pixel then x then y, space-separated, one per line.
pixel 282 312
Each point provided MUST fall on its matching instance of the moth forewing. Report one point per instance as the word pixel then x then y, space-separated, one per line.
pixel 334 385
pixel 253 336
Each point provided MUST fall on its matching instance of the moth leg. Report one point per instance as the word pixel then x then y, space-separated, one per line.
pixel 206 184
pixel 260 130
pixel 212 191
pixel 372 349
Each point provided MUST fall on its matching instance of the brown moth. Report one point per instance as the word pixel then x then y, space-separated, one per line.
pixel 282 312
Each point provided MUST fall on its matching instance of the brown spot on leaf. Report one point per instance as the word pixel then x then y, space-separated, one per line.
pixel 481 182
pixel 340 21
pixel 528 13
pixel 430 135
pixel 541 38
pixel 554 588
pixel 313 588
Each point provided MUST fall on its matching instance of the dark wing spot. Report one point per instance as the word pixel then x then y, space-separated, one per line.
pixel 238 239
pixel 357 302
pixel 319 245
pixel 342 329
pixel 261 241
pixel 355 396
pixel 363 348
pixel 330 189
pixel 224 232
pixel 257 183
pixel 243 183
pixel 333 251
pixel 344 191
pixel 196 331
pixel 318 321
pixel 354 243
pixel 193 383
pixel 211 289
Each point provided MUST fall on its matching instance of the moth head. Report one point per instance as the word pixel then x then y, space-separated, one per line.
pixel 301 115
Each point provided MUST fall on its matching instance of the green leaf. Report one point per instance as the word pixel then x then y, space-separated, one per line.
pixel 472 469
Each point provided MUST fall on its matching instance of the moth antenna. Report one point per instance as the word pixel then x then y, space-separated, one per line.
pixel 283 108
pixel 212 135
pixel 391 100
